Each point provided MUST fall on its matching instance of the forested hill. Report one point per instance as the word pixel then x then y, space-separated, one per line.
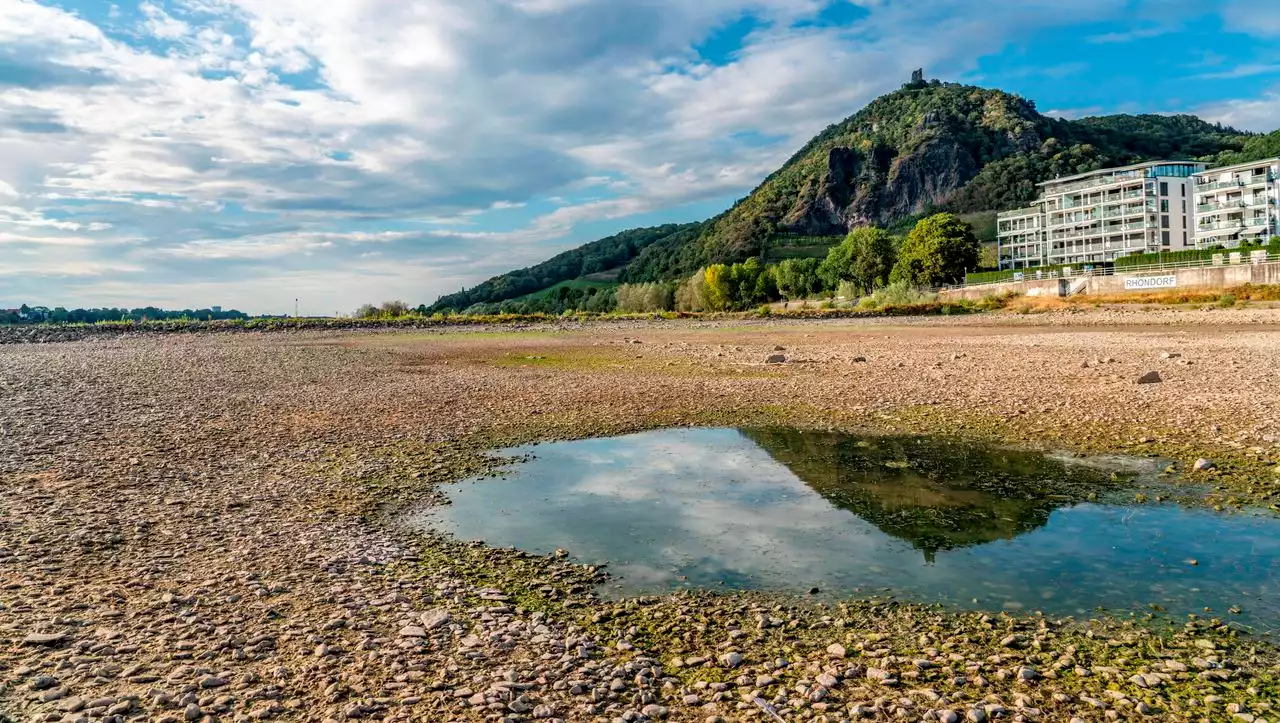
pixel 598 256
pixel 924 148
pixel 940 146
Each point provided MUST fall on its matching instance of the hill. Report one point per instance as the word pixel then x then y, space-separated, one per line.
pixel 594 258
pixel 925 148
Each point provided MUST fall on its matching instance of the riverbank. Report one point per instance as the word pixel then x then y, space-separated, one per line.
pixel 206 525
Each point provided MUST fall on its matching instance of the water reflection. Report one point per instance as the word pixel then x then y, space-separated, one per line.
pixel 936 494
pixel 928 520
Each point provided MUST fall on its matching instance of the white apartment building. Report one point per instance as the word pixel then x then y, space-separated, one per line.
pixel 1102 215
pixel 1237 204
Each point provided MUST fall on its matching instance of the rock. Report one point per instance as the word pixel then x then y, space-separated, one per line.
pixel 764 681
pixel 827 680
pixel 193 712
pixel 212 682
pixel 731 659
pixel 653 712
pixel 836 650
pixel 1027 673
pixel 43 682
pixel 1204 465
pixel 1145 709
pixel 1150 378
pixel 1170 355
pixel 1013 641
pixel 44 639
pixel 976 715
pixel 433 619
pixel 948 716
pixel 412 631
pixel 775 359
pixel 71 705
pixel 779 348
pixel 859 359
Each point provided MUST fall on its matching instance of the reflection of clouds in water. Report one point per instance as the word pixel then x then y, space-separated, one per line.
pixel 727 503
pixel 713 506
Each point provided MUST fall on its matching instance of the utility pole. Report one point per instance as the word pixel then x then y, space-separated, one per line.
pixel 295 308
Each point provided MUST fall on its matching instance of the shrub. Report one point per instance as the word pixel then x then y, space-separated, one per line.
pixel 898 293
pixel 1227 300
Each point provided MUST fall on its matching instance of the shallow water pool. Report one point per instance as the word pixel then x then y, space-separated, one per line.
pixel 921 519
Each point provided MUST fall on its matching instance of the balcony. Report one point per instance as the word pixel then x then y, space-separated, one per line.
pixel 1224 206
pixel 1259 179
pixel 1233 224
pixel 1234 183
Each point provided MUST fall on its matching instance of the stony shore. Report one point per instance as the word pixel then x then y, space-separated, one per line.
pixel 204 527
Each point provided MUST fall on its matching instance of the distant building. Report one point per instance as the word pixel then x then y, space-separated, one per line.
pixel 1102 215
pixel 1237 204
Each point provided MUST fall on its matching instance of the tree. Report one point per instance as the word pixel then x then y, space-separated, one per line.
pixel 798 278
pixel 939 250
pixel 864 259
pixel 720 291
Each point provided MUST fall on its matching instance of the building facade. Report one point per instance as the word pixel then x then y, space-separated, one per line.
pixel 1102 215
pixel 1237 204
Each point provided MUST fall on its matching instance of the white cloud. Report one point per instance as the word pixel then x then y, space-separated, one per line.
pixel 1251 114
pixel 1252 18
pixel 241 130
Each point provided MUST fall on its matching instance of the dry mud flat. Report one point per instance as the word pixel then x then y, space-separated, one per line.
pixel 203 527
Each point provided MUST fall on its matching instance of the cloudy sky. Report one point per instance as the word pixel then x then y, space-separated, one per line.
pixel 186 153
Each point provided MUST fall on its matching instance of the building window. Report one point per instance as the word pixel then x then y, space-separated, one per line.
pixel 1184 190
pixel 1164 222
pixel 1184 204
pixel 1184 238
pixel 1164 205
pixel 1164 238
pixel 1164 188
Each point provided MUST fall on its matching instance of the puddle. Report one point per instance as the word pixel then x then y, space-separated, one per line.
pixel 921 519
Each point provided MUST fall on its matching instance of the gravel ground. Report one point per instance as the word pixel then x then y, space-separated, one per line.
pixel 203 527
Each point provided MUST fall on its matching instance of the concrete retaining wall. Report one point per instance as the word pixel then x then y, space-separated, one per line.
pixel 1203 277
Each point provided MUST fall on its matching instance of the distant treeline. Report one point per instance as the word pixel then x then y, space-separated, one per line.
pixel 59 315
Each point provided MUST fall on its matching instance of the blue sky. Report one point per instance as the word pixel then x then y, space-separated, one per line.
pixel 247 152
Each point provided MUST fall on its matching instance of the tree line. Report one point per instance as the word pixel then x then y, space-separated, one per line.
pixel 937 251
pixel 60 315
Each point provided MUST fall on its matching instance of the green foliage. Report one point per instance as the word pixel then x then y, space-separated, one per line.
pixel 798 278
pixel 1256 148
pixel 1207 254
pixel 898 293
pixel 26 314
pixel 692 293
pixel 597 256
pixel 1227 300
pixel 645 298
pixel 864 260
pixel 388 310
pixel 939 250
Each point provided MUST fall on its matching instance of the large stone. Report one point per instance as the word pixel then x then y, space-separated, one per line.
pixel 412 631
pixel 836 650
pixel 731 660
pixel 1204 465
pixel 776 359
pixel 1150 378
pixel 44 639
pixel 433 619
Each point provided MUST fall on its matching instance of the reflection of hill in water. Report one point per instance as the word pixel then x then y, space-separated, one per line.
pixel 934 493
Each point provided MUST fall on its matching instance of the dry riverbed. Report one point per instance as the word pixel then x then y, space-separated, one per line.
pixel 204 527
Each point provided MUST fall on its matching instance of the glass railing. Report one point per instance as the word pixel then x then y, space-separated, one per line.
pixel 1234 183
pixel 1255 180
pixel 1210 207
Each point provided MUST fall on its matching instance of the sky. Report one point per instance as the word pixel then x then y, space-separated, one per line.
pixel 247 153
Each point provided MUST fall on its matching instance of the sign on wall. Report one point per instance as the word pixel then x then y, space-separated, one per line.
pixel 1136 283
